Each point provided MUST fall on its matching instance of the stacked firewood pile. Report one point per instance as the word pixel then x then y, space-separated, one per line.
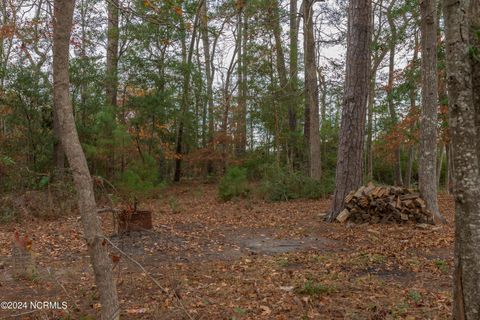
pixel 384 204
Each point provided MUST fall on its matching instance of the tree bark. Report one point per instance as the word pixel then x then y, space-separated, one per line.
pixel 102 265
pixel 428 119
pixel 349 171
pixel 465 137
pixel 311 93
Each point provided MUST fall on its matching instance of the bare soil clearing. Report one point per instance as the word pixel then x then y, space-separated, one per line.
pixel 245 259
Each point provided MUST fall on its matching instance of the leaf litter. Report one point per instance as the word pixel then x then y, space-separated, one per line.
pixel 244 259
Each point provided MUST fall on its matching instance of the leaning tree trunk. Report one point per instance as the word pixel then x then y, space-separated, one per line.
pixel 428 121
pixel 465 137
pixel 102 265
pixel 311 93
pixel 349 172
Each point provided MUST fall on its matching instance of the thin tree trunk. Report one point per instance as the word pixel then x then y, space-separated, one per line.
pixel 111 83
pixel 413 107
pixel 241 114
pixel 428 120
pixel 465 140
pixel 408 172
pixel 227 101
pixel 439 164
pixel 448 164
pixel 287 96
pixel 377 58
pixel 369 149
pixel 209 76
pixel 293 104
pixel 311 93
pixel 349 172
pixel 391 104
pixel 102 265
pixel 186 63
pixel 112 53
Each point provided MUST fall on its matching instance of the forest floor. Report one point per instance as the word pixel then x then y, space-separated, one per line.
pixel 243 259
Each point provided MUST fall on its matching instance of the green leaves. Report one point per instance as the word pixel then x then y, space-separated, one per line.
pixel 6 160
pixel 474 52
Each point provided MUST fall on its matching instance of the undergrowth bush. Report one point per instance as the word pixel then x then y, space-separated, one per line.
pixel 141 178
pixel 281 185
pixel 233 184
pixel 256 163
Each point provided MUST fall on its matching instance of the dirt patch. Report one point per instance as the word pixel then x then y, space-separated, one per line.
pixel 219 245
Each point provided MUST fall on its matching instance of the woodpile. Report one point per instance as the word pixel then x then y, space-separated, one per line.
pixel 384 204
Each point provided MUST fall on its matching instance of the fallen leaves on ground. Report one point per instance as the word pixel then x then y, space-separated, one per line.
pixel 244 259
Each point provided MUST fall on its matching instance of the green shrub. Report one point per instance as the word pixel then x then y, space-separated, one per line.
pixel 283 185
pixel 141 178
pixel 256 164
pixel 233 184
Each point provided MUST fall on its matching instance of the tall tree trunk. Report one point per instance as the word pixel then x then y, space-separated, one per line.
pixel 311 93
pixel 209 76
pixel 287 98
pixel 448 171
pixel 227 100
pixel 439 164
pixel 465 139
pixel 397 166
pixel 102 265
pixel 186 65
pixel 293 92
pixel 349 172
pixel 428 120
pixel 369 147
pixel 376 60
pixel 413 106
pixel 111 84
pixel 241 112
